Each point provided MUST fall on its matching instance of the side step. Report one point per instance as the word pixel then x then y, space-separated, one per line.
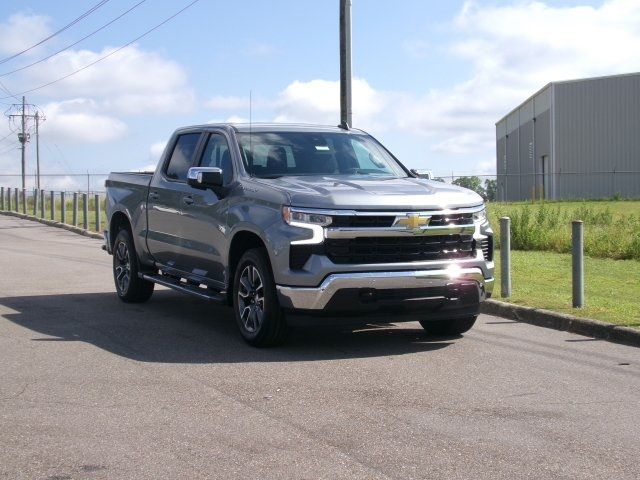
pixel 217 297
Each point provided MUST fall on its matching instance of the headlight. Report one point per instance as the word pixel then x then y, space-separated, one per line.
pixel 480 216
pixel 292 216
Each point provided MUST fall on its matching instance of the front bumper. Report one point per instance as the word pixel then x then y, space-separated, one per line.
pixel 370 290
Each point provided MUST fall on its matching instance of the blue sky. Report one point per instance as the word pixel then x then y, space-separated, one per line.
pixel 430 78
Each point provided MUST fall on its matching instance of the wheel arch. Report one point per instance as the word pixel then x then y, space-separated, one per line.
pixel 242 241
pixel 119 221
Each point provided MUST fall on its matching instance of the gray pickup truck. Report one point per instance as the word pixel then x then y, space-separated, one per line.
pixel 294 225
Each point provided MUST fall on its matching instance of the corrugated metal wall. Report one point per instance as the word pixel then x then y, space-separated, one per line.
pixel 520 143
pixel 597 128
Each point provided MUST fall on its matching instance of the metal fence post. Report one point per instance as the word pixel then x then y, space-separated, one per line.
pixel 577 263
pixel 24 201
pixel 53 205
pixel 85 210
pixel 63 208
pixel 75 209
pixel 96 205
pixel 505 257
pixel 1 198
pixel 42 202
pixel 16 198
pixel 35 202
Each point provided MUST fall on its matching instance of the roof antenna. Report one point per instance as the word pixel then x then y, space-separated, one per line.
pixel 250 159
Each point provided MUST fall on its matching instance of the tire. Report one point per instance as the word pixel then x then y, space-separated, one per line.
pixel 456 326
pixel 129 287
pixel 255 302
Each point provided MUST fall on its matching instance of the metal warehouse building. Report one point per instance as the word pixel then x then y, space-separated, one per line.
pixel 573 139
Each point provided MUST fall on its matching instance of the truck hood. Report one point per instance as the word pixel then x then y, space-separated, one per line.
pixel 375 193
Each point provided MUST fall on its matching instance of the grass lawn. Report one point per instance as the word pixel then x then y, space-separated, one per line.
pixel 543 280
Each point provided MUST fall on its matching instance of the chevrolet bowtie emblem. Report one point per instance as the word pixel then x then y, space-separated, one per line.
pixel 412 222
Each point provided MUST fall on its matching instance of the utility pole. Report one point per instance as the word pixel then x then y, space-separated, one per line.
pixel 345 64
pixel 23 111
pixel 23 141
pixel 37 117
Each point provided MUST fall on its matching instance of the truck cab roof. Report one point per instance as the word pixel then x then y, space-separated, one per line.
pixel 268 127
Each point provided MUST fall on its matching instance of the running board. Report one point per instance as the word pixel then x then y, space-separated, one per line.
pixel 217 297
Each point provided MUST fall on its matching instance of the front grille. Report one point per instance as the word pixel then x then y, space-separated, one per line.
pixel 487 248
pixel 362 221
pixel 399 249
pixel 454 219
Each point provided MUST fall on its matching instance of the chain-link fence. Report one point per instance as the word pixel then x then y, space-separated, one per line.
pixel 567 185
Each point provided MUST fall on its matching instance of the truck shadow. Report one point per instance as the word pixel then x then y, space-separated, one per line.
pixel 174 328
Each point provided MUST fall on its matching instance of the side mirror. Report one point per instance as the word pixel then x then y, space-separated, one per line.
pixel 420 173
pixel 205 177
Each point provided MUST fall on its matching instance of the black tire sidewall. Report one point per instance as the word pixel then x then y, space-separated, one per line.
pixel 272 311
pixel 139 290
pixel 124 237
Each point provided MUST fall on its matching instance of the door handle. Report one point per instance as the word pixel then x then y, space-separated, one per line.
pixel 153 196
pixel 187 200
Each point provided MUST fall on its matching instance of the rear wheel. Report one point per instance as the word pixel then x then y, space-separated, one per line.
pixel 456 326
pixel 129 286
pixel 255 302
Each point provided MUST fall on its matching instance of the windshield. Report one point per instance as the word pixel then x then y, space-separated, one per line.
pixel 272 155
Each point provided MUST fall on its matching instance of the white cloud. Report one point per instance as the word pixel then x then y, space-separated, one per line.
pixel 131 81
pixel 78 121
pixel 22 30
pixel 237 119
pixel 514 50
pixel 318 101
pixel 156 150
pixel 463 144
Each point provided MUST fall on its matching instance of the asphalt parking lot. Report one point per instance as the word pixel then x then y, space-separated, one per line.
pixel 92 388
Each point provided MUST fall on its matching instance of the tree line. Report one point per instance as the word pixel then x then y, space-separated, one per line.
pixel 487 191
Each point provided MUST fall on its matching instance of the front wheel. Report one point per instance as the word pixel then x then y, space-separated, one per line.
pixel 456 326
pixel 255 302
pixel 129 286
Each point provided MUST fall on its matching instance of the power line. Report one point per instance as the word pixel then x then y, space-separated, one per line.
pixel 7 136
pixel 110 53
pixel 2 86
pixel 74 43
pixel 67 26
pixel 8 150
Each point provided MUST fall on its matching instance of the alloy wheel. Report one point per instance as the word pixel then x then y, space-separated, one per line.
pixel 123 267
pixel 251 299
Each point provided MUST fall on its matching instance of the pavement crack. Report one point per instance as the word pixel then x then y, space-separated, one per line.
pixel 16 395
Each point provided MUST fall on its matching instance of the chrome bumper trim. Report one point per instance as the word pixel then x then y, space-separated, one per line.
pixel 316 298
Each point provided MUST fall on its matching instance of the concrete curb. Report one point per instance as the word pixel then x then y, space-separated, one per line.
pixel 52 223
pixel 562 321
